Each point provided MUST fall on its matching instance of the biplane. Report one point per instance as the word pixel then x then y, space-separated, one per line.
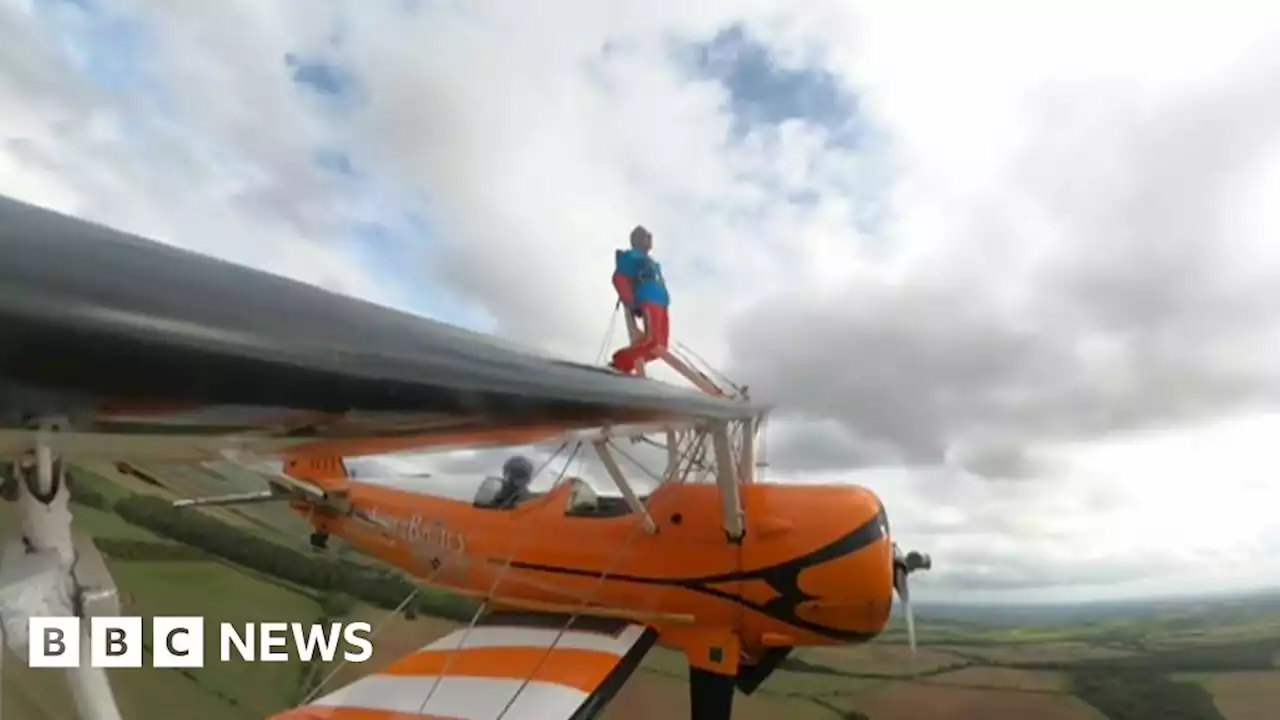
pixel 119 348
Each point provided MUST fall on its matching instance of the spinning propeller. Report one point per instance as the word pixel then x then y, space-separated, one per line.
pixel 903 566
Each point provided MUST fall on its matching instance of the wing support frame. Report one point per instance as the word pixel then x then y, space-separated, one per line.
pixel 748 459
pixel 624 486
pixel 727 480
pixel 735 466
pixel 54 571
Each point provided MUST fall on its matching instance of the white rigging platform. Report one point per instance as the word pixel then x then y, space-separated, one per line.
pixel 51 570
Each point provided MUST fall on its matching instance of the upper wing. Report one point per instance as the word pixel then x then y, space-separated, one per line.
pixel 128 336
pixel 510 666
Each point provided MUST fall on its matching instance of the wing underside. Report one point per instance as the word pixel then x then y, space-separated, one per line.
pixel 509 666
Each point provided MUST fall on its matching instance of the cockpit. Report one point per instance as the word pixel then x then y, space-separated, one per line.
pixel 583 499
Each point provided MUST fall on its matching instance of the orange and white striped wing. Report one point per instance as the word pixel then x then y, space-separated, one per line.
pixel 513 666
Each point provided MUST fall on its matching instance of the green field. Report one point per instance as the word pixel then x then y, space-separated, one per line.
pixel 1206 661
pixel 216 692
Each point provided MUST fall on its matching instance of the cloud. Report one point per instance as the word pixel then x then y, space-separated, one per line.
pixel 118 144
pixel 970 245
pixel 1109 285
pixel 1135 514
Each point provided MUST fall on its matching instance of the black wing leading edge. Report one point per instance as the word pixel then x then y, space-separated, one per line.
pixel 89 313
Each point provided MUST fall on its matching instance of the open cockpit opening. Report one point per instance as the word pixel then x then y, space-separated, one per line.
pixel 582 501
pixel 585 502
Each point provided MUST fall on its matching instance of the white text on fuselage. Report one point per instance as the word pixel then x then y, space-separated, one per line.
pixel 423 535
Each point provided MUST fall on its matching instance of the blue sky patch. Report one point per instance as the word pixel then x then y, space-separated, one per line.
pixel 318 76
pixel 387 233
pixel 402 255
pixel 392 240
pixel 109 49
pixel 85 5
pixel 336 87
pixel 334 161
pixel 762 91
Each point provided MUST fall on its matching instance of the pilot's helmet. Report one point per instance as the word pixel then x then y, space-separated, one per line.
pixel 518 468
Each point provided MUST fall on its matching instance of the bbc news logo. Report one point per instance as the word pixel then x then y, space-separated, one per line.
pixel 179 642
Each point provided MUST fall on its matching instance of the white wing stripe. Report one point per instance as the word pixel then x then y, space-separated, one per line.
pixel 458 697
pixel 507 636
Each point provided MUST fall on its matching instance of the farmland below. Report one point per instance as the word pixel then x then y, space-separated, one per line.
pixel 1174 660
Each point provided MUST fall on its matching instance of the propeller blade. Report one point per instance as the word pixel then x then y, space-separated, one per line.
pixel 908 614
pixel 903 566
pixel 710 695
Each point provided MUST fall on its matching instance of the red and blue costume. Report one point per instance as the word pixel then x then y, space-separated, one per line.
pixel 643 292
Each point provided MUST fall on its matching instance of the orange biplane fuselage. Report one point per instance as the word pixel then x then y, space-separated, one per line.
pixel 815 566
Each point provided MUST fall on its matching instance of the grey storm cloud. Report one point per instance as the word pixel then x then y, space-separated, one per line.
pixel 1006 460
pixel 1142 315
pixel 819 445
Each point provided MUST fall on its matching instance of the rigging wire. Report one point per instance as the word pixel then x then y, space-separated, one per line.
pixel 664 446
pixel 608 332
pixel 681 351
pixel 585 601
pixel 386 619
pixel 696 452
pixel 484 606
pixel 686 460
pixel 636 531
pixel 626 456
pixel 707 368
pixel 564 471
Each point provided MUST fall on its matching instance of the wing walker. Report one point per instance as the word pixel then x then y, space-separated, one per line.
pixel 117 348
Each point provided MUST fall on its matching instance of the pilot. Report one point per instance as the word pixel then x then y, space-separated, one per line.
pixel 517 474
pixel 641 289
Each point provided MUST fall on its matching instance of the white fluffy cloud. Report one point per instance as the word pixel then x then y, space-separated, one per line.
pixel 953 268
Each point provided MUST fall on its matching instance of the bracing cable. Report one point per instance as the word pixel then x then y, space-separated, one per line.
pixel 484 606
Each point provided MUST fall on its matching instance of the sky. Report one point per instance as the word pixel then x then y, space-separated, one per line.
pixel 1014 269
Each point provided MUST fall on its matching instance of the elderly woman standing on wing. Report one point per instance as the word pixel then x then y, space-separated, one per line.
pixel 638 279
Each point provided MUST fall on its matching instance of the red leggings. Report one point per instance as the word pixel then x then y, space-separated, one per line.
pixel 651 343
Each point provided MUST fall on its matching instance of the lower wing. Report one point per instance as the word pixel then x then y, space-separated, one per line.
pixel 512 666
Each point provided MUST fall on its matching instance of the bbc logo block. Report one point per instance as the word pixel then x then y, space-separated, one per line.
pixel 179 642
pixel 114 642
pixel 53 642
